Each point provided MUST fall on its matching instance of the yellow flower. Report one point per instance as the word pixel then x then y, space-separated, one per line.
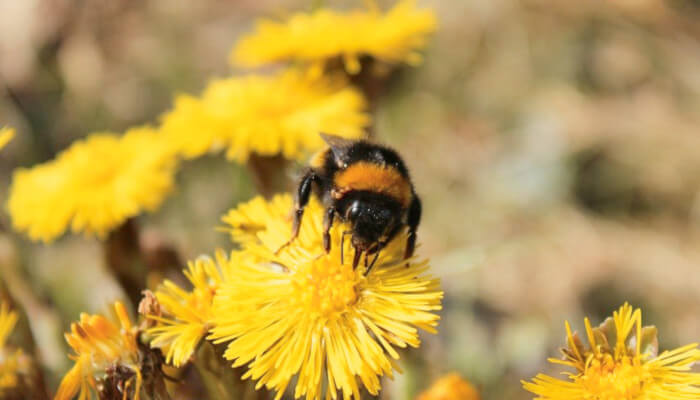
pixel 17 369
pixel 268 115
pixel 93 186
pixel 102 347
pixel 304 316
pixel 189 312
pixel 8 319
pixel 8 359
pixel 256 216
pixel 450 387
pixel 6 134
pixel 322 35
pixel 621 363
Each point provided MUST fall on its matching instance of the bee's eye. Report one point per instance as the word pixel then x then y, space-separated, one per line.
pixel 354 210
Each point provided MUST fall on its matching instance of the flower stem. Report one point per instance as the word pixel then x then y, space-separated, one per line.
pixel 124 258
pixel 269 174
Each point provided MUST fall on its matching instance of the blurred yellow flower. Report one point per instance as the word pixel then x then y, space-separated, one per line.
pixel 93 186
pixel 304 316
pixel 8 319
pixel 188 313
pixel 18 374
pixel 392 37
pixel 621 363
pixel 8 359
pixel 6 134
pixel 268 115
pixel 450 387
pixel 101 348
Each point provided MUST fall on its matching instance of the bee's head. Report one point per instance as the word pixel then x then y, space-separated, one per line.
pixel 371 222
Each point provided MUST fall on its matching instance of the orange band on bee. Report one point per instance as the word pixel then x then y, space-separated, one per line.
pixel 375 178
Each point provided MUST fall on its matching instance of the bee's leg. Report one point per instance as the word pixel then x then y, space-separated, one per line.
pixel 327 224
pixel 302 199
pixel 413 220
pixel 303 196
pixel 380 246
pixel 342 245
pixel 356 258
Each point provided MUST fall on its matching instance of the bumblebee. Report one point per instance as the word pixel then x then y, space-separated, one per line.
pixel 366 185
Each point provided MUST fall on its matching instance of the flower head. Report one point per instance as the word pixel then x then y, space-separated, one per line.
pixel 188 313
pixel 6 134
pixel 450 387
pixel 93 186
pixel 101 348
pixel 257 216
pixel 304 314
pixel 392 37
pixel 621 362
pixel 268 115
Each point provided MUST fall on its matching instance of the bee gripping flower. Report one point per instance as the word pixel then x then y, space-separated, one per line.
pixel 304 316
pixel 621 362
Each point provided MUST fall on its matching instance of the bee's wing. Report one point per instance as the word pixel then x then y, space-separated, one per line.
pixel 338 142
pixel 339 145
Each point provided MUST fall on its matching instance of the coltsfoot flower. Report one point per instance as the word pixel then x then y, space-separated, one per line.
pixel 6 134
pixel 255 217
pixel 103 350
pixel 188 314
pixel 93 186
pixel 392 37
pixel 307 317
pixel 450 387
pixel 267 115
pixel 621 362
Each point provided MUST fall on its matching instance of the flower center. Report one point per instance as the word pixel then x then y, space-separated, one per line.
pixel 610 379
pixel 325 288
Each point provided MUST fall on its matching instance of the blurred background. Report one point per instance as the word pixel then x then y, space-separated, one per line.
pixel 555 144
